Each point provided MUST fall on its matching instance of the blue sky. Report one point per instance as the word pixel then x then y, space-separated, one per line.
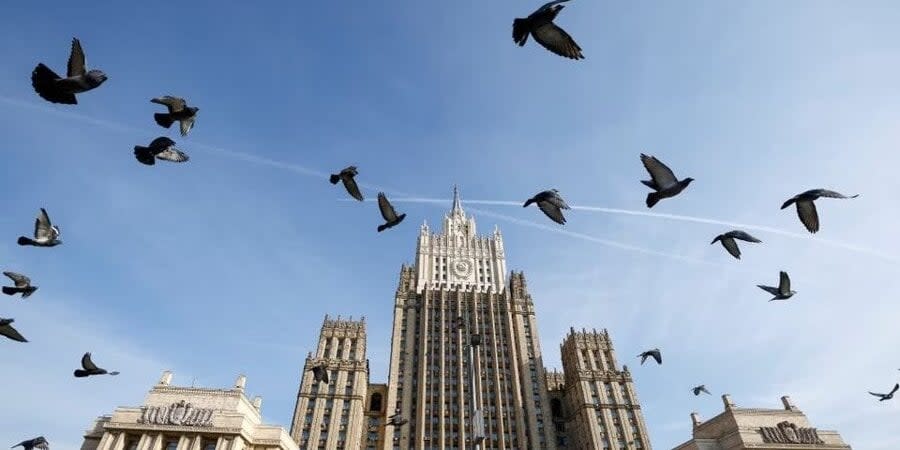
pixel 228 263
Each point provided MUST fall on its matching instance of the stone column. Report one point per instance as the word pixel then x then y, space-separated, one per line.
pixel 144 442
pixel 119 443
pixel 105 441
pixel 196 443
pixel 184 443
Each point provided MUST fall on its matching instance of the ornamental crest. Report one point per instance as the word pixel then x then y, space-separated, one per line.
pixel 181 413
pixel 788 433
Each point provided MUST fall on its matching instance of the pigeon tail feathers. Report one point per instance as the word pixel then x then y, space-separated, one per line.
pixel 10 290
pixel 25 241
pixel 43 80
pixel 144 155
pixel 81 373
pixel 652 199
pixel 164 120
pixel 383 227
pixel 334 179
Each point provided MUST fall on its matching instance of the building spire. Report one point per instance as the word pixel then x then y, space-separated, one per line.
pixel 457 206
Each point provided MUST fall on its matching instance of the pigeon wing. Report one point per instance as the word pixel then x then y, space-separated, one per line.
pixel 387 210
pixel 732 247
pixel 161 143
pixel 19 279
pixel 86 362
pixel 769 289
pixel 552 211
pixel 76 59
pixel 174 104
pixel 896 388
pixel 877 395
pixel 806 210
pixel 42 226
pixel 784 283
pixel 42 443
pixel 557 200
pixel 657 356
pixel 662 175
pixel 556 40
pixel 833 194
pixel 742 235
pixel 186 125
pixel 173 154
pixel 352 188
pixel 12 333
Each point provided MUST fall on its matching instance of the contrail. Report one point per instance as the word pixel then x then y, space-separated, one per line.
pixel 675 217
pixel 247 157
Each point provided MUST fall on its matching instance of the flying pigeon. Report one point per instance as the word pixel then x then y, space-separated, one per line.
pixel 783 291
pixel 320 373
pixel 806 209
pixel 6 329
pixel 178 111
pixel 396 420
pixel 663 180
pixel 161 148
pixel 728 242
pixel 22 285
pixel 551 204
pixel 702 388
pixel 346 176
pixel 90 368
pixel 540 25
pixel 887 396
pixel 38 442
pixel 56 89
pixel 651 353
pixel 388 212
pixel 45 233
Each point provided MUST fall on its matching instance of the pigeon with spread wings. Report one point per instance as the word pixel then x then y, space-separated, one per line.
pixel 56 89
pixel 662 180
pixel 320 373
pixel 783 291
pixel 728 241
pixel 160 148
pixel 346 176
pixel 698 389
pixel 179 111
pixel 6 329
pixel 388 213
pixel 540 25
pixel 37 443
pixel 22 285
pixel 45 233
pixel 806 209
pixel 655 354
pixel 88 368
pixel 551 203
pixel 887 396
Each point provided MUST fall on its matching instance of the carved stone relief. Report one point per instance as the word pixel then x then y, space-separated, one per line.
pixel 788 433
pixel 181 413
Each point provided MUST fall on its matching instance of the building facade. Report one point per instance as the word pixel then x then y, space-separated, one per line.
pixel 188 418
pixel 466 367
pixel 763 429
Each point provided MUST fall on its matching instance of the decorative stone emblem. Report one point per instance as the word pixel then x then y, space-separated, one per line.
pixel 181 413
pixel 461 268
pixel 788 433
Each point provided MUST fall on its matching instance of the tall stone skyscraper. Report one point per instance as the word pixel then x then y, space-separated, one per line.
pixel 466 369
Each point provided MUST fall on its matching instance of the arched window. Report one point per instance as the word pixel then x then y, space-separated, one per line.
pixel 556 407
pixel 375 403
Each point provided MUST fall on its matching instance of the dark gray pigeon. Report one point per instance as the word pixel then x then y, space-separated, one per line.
pixel 887 396
pixel 388 213
pixel 540 25
pixel 160 148
pixel 6 329
pixel 38 442
pixel 346 176
pixel 655 354
pixel 56 89
pixel 45 233
pixel 551 203
pixel 702 388
pixel 178 112
pixel 728 242
pixel 806 209
pixel 783 291
pixel 22 285
pixel 320 373
pixel 88 368
pixel 397 420
pixel 662 180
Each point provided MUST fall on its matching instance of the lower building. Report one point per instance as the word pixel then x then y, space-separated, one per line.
pixel 188 418
pixel 758 429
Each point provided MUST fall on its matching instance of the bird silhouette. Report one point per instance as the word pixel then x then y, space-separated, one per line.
pixel 702 388
pixel 551 203
pixel 22 285
pixel 663 180
pixel 388 213
pixel 6 329
pixel 320 373
pixel 38 442
pixel 806 208
pixel 727 240
pixel 783 291
pixel 45 233
pixel 90 369
pixel 346 176
pixel 887 396
pixel 178 112
pixel 540 25
pixel 654 353
pixel 160 148
pixel 56 89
